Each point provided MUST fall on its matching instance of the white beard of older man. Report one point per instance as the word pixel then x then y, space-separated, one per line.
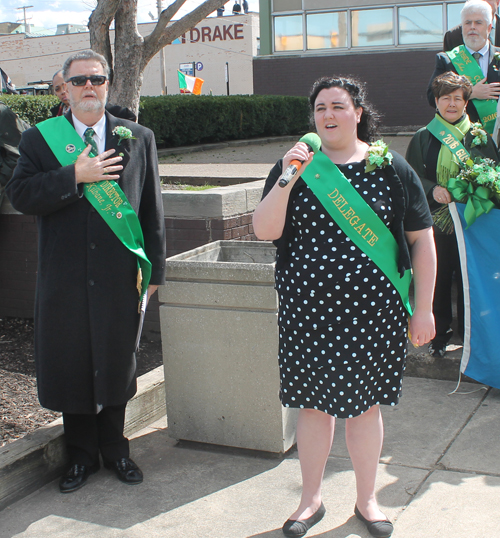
pixel 476 30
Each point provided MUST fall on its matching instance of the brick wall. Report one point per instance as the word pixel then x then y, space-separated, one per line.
pixel 396 81
pixel 18 261
pixel 187 234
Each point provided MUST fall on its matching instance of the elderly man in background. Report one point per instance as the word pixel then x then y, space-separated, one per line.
pixel 453 38
pixel 92 181
pixel 477 60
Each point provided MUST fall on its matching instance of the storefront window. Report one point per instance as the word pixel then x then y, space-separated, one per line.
pixel 326 30
pixel 453 14
pixel 372 27
pixel 420 24
pixel 288 33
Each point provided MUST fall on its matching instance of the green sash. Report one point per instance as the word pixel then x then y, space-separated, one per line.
pixel 466 65
pixel 439 128
pixel 105 196
pixel 357 220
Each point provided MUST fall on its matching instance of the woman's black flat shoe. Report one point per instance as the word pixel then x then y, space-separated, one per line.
pixel 295 527
pixel 379 529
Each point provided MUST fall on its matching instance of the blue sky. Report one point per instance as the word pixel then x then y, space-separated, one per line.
pixel 50 13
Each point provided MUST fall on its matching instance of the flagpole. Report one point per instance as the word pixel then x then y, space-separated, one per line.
pixel 163 81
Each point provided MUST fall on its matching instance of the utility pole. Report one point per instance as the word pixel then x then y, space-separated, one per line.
pixel 163 80
pixel 26 25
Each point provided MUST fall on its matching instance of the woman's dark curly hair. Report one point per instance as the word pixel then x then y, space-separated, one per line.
pixel 370 119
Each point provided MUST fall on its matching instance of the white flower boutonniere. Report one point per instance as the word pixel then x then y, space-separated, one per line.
pixel 377 156
pixel 480 136
pixel 123 134
pixel 496 61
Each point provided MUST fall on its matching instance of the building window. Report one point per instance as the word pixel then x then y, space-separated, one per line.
pixel 326 30
pixel 420 24
pixel 372 27
pixel 288 33
pixel 453 14
pixel 417 25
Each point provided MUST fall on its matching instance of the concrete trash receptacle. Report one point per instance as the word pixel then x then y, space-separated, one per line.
pixel 220 347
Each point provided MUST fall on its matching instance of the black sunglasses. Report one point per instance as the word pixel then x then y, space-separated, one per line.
pixel 81 80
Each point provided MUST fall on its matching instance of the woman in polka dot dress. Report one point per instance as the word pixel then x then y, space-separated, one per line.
pixel 342 324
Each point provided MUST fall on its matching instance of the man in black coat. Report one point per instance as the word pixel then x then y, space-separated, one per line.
pixel 476 26
pixel 86 308
pixel 453 38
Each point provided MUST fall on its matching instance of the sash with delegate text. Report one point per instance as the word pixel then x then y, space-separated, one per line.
pixel 106 197
pixel 357 220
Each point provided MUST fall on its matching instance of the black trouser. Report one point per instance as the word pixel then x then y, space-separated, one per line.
pixel 87 435
pixel 448 262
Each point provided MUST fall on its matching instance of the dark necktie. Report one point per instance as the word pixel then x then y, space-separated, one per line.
pixel 88 137
pixel 477 56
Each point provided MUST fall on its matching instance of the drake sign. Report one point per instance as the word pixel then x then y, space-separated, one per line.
pixel 217 33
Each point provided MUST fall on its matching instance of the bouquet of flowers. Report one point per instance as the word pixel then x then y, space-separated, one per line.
pixel 478 186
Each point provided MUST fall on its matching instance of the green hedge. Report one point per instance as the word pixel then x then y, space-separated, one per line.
pixel 179 120
pixel 32 109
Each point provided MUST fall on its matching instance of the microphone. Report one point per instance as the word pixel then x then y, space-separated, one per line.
pixel 313 142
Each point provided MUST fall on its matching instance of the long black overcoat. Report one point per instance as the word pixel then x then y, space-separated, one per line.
pixel 86 297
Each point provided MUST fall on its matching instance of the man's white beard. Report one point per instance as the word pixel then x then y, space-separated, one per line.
pixel 88 105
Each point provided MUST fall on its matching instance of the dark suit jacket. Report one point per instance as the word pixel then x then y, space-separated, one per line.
pixel 86 298
pixel 443 64
pixel 454 37
pixel 117 111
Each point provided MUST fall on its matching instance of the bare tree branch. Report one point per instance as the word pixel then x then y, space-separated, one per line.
pixel 132 52
pixel 162 35
pixel 165 17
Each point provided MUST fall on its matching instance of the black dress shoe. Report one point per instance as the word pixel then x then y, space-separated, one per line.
pixel 379 529
pixel 296 527
pixel 76 477
pixel 126 470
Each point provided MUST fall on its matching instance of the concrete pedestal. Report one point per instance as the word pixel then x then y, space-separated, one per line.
pixel 220 347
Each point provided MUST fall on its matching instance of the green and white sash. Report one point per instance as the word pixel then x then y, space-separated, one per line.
pixel 466 65
pixel 441 130
pixel 357 220
pixel 106 197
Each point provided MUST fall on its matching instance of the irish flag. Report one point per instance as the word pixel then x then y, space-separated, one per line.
pixel 189 84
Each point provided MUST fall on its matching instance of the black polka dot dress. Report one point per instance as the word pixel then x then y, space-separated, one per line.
pixel 342 325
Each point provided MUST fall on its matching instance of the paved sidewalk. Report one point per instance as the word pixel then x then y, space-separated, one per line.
pixel 439 476
pixel 236 161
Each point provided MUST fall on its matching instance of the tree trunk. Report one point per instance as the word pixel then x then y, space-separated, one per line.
pixel 128 64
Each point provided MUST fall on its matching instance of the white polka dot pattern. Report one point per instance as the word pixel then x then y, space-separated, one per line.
pixel 342 325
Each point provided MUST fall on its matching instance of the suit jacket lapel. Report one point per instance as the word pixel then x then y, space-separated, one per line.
pixel 112 142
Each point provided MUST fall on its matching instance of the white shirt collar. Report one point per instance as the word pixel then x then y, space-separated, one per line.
pixel 99 129
pixel 482 51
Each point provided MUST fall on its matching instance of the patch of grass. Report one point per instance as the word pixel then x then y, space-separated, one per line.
pixel 183 187
pixel 199 187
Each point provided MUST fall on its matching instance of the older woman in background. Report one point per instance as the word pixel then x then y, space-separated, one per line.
pixel 434 153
